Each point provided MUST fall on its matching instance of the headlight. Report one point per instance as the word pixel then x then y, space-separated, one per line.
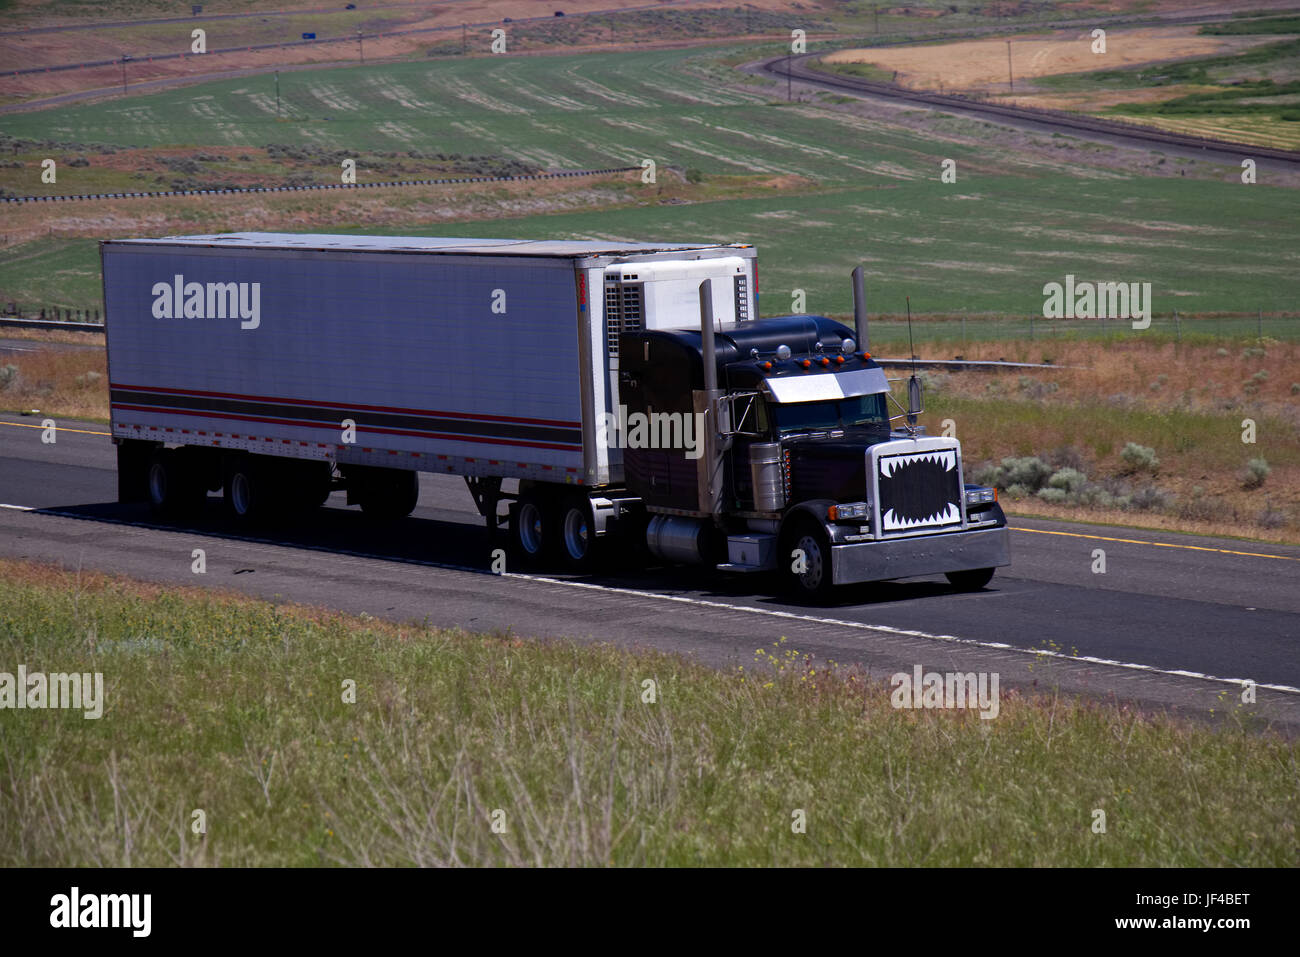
pixel 854 510
pixel 981 496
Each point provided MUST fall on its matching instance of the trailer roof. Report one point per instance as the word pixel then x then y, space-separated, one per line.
pixel 427 244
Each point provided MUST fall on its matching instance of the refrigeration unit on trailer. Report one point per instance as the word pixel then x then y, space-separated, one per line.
pixel 277 368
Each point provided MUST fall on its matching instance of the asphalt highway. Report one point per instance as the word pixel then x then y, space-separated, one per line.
pixel 1174 622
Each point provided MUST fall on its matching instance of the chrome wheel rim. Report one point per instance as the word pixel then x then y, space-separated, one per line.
pixel 814 567
pixel 530 528
pixel 575 533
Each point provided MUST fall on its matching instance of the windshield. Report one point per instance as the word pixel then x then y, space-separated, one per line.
pixel 863 411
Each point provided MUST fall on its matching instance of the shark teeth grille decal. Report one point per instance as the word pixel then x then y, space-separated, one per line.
pixel 919 491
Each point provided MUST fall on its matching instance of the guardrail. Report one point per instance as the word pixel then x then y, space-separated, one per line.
pixel 51 324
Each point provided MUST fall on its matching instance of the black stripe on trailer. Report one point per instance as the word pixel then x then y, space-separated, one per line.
pixel 318 415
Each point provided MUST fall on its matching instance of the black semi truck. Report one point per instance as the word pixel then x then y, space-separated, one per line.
pixel 608 396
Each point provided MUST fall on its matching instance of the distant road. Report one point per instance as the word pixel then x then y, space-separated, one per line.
pixel 1172 621
pixel 1047 121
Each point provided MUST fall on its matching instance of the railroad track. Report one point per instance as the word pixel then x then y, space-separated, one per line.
pixel 1226 150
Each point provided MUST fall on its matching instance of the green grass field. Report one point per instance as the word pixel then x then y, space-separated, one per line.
pixel 236 708
pixel 594 110
pixel 870 189
pixel 985 247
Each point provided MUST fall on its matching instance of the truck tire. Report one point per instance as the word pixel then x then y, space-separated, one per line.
pixel 579 546
pixel 533 529
pixel 389 494
pixel 248 489
pixel 972 580
pixel 815 580
pixel 173 487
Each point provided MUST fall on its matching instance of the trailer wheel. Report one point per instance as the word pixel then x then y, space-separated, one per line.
pixel 246 490
pixel 173 487
pixel 808 574
pixel 972 580
pixel 532 527
pixel 580 546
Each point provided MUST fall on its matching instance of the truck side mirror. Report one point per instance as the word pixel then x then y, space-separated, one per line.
pixel 915 403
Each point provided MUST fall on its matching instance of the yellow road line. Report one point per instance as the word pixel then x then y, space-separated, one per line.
pixel 61 428
pixel 1134 541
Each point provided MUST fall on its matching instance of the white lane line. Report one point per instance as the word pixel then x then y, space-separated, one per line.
pixel 885 629
pixel 723 606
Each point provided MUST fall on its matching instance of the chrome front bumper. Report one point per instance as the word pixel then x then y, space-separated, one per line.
pixel 922 555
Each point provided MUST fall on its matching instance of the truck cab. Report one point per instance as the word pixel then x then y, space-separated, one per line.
pixel 802 470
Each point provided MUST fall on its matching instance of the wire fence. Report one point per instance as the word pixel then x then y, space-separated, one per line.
pixel 957 330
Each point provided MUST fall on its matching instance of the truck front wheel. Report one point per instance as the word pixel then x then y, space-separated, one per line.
pixel 805 560
pixel 971 580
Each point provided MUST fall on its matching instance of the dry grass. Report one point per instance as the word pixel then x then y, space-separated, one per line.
pixel 1187 402
pixel 60 336
pixel 1157 374
pixel 60 383
pixel 982 64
